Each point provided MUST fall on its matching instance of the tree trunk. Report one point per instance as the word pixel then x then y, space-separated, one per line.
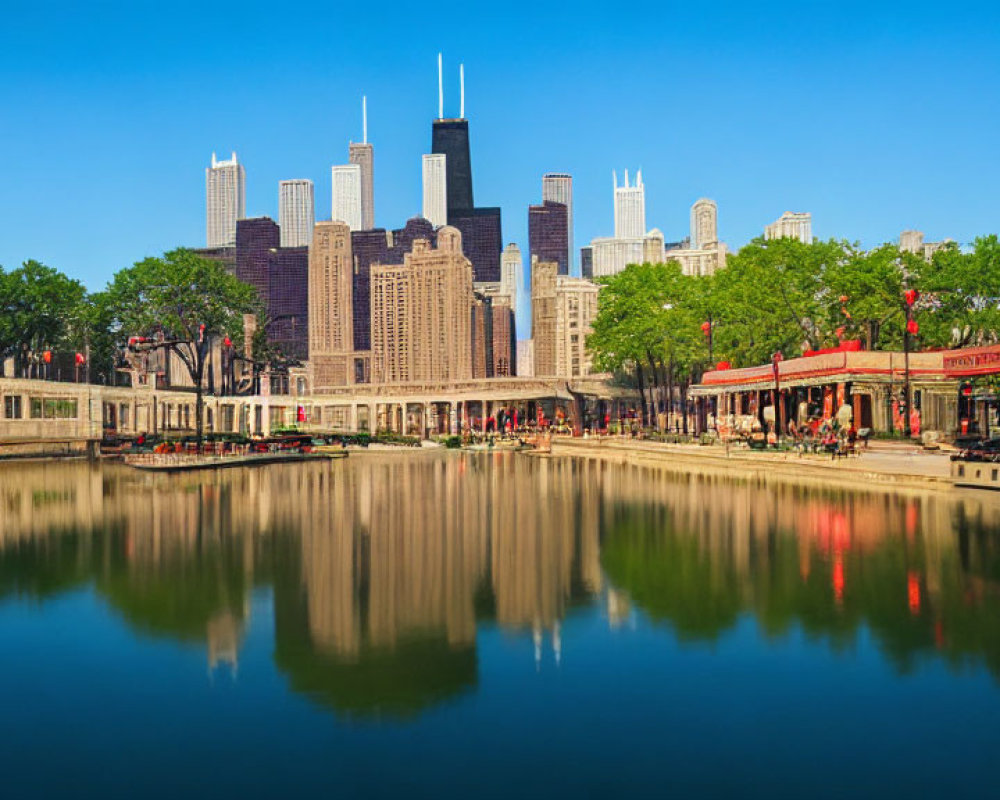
pixel 642 392
pixel 684 404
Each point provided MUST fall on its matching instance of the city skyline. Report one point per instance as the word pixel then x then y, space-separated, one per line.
pixel 842 161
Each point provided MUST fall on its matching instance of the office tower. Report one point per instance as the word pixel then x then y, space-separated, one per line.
pixel 792 225
pixel 296 212
pixel 379 246
pixel 363 155
pixel 435 206
pixel 347 195
pixel 288 301
pixel 367 247
pixel 547 232
pixel 504 338
pixel 255 238
pixel 402 239
pixel 562 311
pixel 450 138
pixel 331 328
pixel 482 336
pixel 422 314
pixel 225 201
pixel 653 247
pixel 558 187
pixel 511 273
pixel 704 224
pixel 587 262
pixel 630 208
pixel 482 240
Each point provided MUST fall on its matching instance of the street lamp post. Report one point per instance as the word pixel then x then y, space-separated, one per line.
pixel 911 328
pixel 779 417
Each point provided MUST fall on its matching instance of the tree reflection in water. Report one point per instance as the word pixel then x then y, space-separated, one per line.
pixel 381 567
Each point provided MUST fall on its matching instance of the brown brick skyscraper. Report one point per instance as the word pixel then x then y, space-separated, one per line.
pixel 421 314
pixel 331 326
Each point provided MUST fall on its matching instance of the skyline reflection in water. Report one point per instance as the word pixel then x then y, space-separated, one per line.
pixel 379 578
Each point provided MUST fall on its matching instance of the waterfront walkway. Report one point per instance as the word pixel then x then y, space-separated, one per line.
pixel 883 464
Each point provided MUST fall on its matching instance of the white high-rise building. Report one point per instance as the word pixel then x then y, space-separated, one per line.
pixel 704 224
pixel 511 273
pixel 558 187
pixel 347 195
pixel 792 225
pixel 630 208
pixel 435 189
pixel 296 212
pixel 225 201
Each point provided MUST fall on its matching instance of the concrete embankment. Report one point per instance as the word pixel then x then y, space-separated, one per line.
pixel 878 468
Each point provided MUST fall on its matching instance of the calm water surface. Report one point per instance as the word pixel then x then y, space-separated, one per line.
pixel 452 624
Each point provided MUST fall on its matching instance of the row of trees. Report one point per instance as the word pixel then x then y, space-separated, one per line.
pixel 662 329
pixel 180 301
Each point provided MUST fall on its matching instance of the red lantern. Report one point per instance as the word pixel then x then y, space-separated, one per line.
pixel 79 358
pixel 911 296
pixel 47 356
pixel 706 327
pixel 840 332
pixel 843 298
pixel 227 342
pixel 722 365
pixel 912 327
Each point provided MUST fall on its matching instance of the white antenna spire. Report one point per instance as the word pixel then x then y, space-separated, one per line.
pixel 614 178
pixel 461 83
pixel 440 90
pixel 364 119
pixel 626 179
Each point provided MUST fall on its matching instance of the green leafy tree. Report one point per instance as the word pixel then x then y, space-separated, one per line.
pixel 773 296
pixel 40 309
pixel 180 300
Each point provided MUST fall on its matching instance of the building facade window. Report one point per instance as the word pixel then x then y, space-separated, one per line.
pixel 12 406
pixel 52 408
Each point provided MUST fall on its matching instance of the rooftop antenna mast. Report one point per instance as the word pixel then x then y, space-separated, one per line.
pixel 364 119
pixel 461 83
pixel 440 91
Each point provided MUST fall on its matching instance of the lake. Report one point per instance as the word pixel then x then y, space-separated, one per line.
pixel 491 624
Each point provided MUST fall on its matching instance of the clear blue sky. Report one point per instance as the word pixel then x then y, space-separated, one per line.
pixel 874 117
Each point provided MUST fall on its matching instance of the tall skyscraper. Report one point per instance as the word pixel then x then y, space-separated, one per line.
pixel 225 201
pixel 512 273
pixel 587 262
pixel 331 328
pixel 450 137
pixel 704 224
pixel 288 300
pixel 562 311
pixel 792 225
pixel 547 231
pixel 422 314
pixel 296 212
pixel 347 195
pixel 363 155
pixel 630 208
pixel 435 189
pixel 558 187
pixel 255 238
pixel 482 240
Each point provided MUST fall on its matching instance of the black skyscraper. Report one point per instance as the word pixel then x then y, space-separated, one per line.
pixel 451 137
pixel 255 238
pixel 547 234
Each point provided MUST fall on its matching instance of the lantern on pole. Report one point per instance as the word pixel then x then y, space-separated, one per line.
pixel 910 295
pixel 912 327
